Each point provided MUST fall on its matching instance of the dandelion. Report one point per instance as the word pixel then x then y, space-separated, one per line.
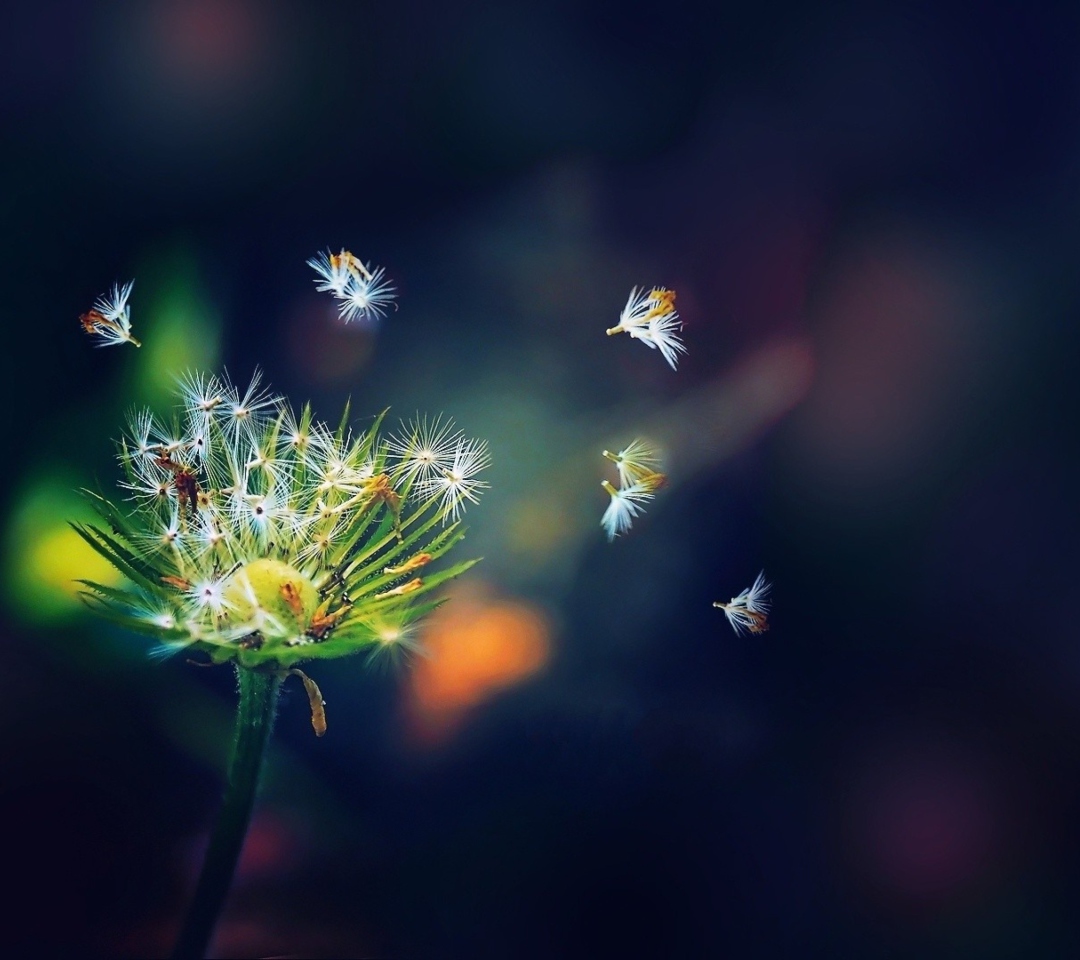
pixel 254 536
pixel 267 544
pixel 626 504
pixel 749 611
pixel 362 293
pixel 110 319
pixel 651 317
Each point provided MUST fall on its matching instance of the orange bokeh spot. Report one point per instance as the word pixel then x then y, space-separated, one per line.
pixel 477 647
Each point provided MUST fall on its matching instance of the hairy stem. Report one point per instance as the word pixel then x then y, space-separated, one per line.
pixel 254 720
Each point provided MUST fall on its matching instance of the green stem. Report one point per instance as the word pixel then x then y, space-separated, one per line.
pixel 254 720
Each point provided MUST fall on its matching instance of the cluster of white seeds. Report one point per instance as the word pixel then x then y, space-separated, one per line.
pixel 239 477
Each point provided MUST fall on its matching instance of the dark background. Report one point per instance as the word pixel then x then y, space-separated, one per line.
pixel 871 217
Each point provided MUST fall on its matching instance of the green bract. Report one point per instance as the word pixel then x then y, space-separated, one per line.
pixel 262 537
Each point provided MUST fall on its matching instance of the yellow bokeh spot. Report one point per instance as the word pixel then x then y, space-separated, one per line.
pixel 61 557
pixel 44 557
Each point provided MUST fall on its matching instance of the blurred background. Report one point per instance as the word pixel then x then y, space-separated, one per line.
pixel 872 220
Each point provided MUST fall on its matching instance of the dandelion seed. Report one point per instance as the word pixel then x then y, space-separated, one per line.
pixel 167 534
pixel 457 483
pixel 140 430
pixel 634 315
pixel 298 433
pixel 651 317
pixel 333 270
pixel 210 533
pixel 660 334
pixel 250 412
pixel 639 461
pixel 366 298
pixel 208 595
pixel 337 470
pixel 152 490
pixel 319 545
pixel 271 464
pixel 749 611
pixel 362 293
pixel 115 306
pixel 160 616
pixel 110 319
pixel 425 449
pixel 196 442
pixel 265 514
pixel 626 504
pixel 170 444
pixel 201 396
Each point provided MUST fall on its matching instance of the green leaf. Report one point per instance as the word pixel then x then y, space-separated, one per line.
pixel 357 587
pixel 387 536
pixel 375 604
pixel 118 523
pixel 124 561
pixel 122 597
pixel 106 611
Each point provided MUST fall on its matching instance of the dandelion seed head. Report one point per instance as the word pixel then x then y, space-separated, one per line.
pixel 261 534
